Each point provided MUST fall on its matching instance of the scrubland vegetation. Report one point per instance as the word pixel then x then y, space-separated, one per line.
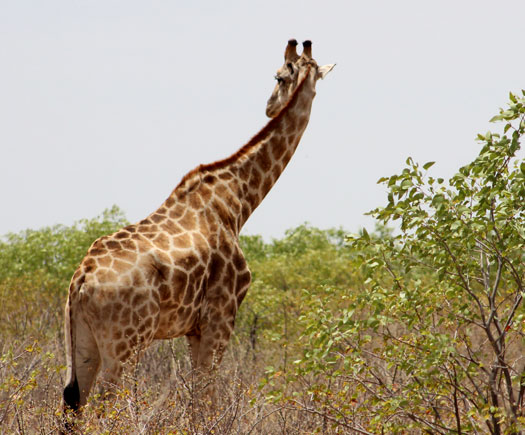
pixel 414 330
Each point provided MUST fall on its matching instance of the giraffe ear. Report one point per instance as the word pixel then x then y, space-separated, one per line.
pixel 322 71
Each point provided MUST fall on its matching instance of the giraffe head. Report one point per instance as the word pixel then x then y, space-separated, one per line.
pixel 292 72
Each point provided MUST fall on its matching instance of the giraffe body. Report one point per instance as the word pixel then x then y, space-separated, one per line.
pixel 181 271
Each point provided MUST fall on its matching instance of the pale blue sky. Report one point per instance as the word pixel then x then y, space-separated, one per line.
pixel 112 102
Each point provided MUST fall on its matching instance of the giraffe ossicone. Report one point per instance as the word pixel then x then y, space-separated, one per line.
pixel 180 271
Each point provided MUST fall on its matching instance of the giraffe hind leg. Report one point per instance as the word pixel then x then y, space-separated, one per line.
pixel 87 362
pixel 111 372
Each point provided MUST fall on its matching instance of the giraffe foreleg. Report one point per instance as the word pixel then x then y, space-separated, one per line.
pixel 194 342
pixel 111 372
pixel 207 352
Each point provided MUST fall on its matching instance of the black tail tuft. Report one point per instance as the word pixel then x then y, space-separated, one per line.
pixel 72 395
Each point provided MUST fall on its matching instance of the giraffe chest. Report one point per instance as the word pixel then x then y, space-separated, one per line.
pixel 180 297
pixel 190 298
pixel 177 321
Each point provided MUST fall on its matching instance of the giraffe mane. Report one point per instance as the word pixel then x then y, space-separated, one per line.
pixel 245 149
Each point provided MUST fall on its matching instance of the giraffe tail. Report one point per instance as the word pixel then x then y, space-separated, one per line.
pixel 71 390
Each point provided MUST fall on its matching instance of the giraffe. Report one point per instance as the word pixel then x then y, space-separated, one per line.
pixel 181 271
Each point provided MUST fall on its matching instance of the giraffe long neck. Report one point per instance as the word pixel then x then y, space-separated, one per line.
pixel 235 186
pixel 263 165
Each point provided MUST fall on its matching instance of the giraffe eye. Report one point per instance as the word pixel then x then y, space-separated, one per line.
pixel 279 79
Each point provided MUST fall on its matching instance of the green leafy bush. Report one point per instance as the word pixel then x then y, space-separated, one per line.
pixel 434 341
pixel 286 275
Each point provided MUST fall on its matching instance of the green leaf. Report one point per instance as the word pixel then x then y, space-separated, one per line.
pixel 406 184
pixel 455 225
